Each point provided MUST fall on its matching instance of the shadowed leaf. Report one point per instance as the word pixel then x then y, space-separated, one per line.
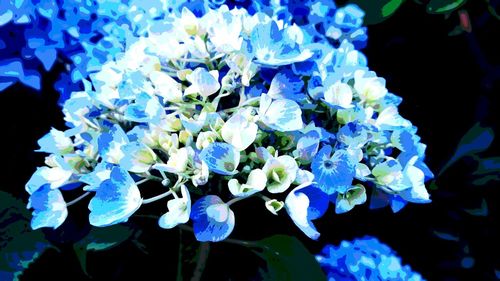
pixel 378 11
pixel 286 258
pixel 444 6
pixel 446 236
pixel 100 239
pixel 476 140
pixel 19 244
pixel 482 211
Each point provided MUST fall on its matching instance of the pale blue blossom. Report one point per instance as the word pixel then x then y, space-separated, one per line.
pixel 115 200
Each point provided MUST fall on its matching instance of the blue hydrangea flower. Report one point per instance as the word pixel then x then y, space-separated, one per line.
pixel 56 176
pixel 306 203
pixel 179 210
pixel 212 219
pixel 274 48
pixel 307 146
pixel 282 114
pixel 49 208
pixel 287 85
pixel 364 259
pixel 115 200
pixel 333 173
pixel 355 195
pixel 101 172
pixel 221 158
pixel 110 144
pixel 138 157
pixel 55 142
pixel 144 109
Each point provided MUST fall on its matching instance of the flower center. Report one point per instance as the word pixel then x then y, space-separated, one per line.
pixel 328 164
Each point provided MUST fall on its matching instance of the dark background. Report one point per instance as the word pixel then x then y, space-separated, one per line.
pixel 448 84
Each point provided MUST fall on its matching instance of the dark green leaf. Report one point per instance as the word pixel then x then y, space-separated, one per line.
pixel 444 6
pixel 19 244
pixel 378 11
pixel 286 259
pixel 100 239
pixel 482 211
pixel 456 31
pixel 476 140
pixel 433 186
pixel 488 166
pixel 486 179
pixel 446 236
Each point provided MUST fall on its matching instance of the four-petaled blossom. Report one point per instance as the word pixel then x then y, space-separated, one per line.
pixel 179 210
pixel 281 172
pixel 256 182
pixel 333 173
pixel 115 200
pixel 212 219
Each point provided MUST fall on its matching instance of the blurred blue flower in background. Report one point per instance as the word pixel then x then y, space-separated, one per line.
pixel 364 259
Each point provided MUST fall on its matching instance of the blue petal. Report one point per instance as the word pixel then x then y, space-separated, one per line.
pixel 47 56
pixel 333 174
pixel 115 200
pixel 304 204
pixel 353 135
pixel 286 85
pixel 282 115
pixel 145 109
pixel 94 179
pixel 307 146
pixel 49 208
pixel 108 141
pixel 221 158
pixel 397 203
pixel 5 85
pixel 55 142
pixel 212 219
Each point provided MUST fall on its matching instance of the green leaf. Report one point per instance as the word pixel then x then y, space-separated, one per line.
pixel 19 244
pixel 482 211
pixel 286 258
pixel 488 166
pixel 391 7
pixel 476 140
pixel 456 31
pixel 444 6
pixel 486 179
pixel 377 11
pixel 446 236
pixel 99 239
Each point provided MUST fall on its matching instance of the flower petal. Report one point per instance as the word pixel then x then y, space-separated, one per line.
pixel 221 158
pixel 49 208
pixel 212 219
pixel 115 200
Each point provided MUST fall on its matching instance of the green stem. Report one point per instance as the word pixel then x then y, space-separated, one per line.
pixel 179 257
pixel 156 198
pixel 234 200
pixel 204 250
pixel 77 199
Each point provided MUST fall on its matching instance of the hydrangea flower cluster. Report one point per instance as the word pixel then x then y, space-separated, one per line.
pixel 225 106
pixel 364 259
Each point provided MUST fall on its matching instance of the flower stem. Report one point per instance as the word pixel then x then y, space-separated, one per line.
pixel 179 258
pixel 203 250
pixel 142 181
pixel 157 197
pixel 77 199
pixel 234 200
